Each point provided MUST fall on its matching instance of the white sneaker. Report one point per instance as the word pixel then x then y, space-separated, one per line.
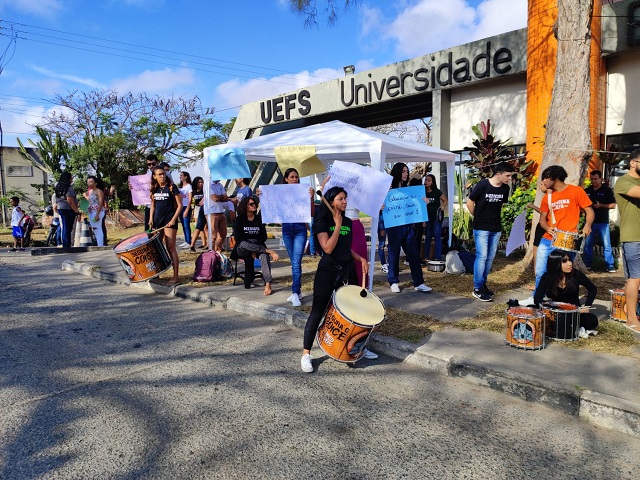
pixel 369 355
pixel 295 300
pixel 582 333
pixel 592 332
pixel 184 245
pixel 395 288
pixel 305 363
pixel 385 268
pixel 422 288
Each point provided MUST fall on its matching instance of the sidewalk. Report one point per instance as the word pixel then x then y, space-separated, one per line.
pixel 603 389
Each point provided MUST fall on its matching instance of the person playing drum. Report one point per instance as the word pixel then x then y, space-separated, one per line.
pixel 336 267
pixel 561 283
pixel 166 204
pixel 560 210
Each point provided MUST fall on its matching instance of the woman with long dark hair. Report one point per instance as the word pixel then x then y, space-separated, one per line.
pixel 436 201
pixel 251 235
pixel 166 204
pixel 201 219
pixel 95 211
pixel 403 236
pixel 336 267
pixel 186 192
pixel 561 283
pixel 67 204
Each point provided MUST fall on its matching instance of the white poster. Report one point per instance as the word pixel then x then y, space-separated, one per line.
pixel 366 188
pixel 286 203
pixel 517 236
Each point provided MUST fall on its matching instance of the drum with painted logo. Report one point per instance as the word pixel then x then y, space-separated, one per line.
pixel 525 328
pixel 348 323
pixel 569 241
pixel 563 321
pixel 142 257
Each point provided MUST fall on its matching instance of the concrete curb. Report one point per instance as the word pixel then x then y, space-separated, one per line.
pixel 597 408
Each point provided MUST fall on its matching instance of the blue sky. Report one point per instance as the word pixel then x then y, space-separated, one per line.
pixel 227 52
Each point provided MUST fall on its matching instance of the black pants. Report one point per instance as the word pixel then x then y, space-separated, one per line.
pixel 147 211
pixel 244 251
pixel 323 286
pixel 566 329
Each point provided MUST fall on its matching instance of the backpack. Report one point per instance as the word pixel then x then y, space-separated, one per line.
pixel 225 269
pixel 467 259
pixel 207 267
pixel 453 264
pixel 27 223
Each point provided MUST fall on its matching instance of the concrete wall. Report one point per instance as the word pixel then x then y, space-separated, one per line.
pixel 14 163
pixel 503 101
pixel 623 96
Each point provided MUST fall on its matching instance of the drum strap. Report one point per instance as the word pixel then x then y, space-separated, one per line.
pixel 553 217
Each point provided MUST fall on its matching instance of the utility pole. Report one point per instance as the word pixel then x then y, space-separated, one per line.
pixel 2 183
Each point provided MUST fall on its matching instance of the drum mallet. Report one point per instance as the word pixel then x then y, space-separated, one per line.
pixel 363 292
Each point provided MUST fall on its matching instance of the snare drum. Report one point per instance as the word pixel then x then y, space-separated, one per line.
pixel 619 305
pixel 563 240
pixel 525 328
pixel 142 258
pixel 563 321
pixel 348 323
pixel 435 266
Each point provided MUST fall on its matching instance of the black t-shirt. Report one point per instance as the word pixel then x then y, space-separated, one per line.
pixel 165 204
pixel 602 195
pixel 342 252
pixel 434 203
pixel 569 294
pixel 252 231
pixel 489 200
pixel 197 197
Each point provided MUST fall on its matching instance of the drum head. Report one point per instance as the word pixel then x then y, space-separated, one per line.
pixel 132 242
pixel 367 311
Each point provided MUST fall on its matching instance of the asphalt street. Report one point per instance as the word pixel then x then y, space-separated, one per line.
pixel 103 381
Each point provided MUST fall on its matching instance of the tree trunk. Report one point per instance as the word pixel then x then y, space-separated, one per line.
pixel 567 140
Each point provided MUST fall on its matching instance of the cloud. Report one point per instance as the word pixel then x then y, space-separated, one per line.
pixel 426 26
pixel 39 8
pixel 155 81
pixel 18 118
pixel 88 82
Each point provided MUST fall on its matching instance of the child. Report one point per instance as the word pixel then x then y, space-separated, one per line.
pixel 16 217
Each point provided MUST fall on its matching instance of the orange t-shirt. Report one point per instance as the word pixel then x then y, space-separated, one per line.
pixel 566 208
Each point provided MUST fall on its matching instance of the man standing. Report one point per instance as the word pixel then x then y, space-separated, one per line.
pixel 485 205
pixel 219 199
pixel 627 191
pixel 602 200
pixel 560 210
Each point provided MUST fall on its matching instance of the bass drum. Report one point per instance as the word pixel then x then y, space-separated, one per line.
pixel 348 323
pixel 142 257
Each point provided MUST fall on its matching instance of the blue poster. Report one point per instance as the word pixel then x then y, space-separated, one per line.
pixel 227 163
pixel 404 206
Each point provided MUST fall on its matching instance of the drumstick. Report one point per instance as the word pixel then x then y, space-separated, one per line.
pixel 363 292
pixel 325 201
pixel 149 232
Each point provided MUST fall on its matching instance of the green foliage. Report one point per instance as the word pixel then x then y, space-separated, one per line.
pixel 462 227
pixel 52 149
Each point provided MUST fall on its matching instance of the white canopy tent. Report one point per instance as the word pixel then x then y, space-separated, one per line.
pixel 340 141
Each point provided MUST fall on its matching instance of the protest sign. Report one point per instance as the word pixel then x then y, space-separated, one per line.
pixel 404 206
pixel 227 163
pixel 140 189
pixel 286 203
pixel 517 236
pixel 301 157
pixel 366 188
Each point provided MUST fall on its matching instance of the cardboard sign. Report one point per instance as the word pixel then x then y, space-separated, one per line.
pixel 301 157
pixel 227 163
pixel 404 206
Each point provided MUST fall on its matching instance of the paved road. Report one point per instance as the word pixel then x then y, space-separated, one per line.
pixel 102 381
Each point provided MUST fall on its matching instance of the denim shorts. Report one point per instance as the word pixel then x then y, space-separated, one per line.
pixel 631 256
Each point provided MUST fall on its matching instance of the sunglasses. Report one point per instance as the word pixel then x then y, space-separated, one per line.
pixel 151 164
pixel 251 204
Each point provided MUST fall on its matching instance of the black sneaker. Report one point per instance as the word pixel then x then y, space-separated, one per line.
pixel 482 296
pixel 484 289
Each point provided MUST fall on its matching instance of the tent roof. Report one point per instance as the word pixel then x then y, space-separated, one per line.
pixel 341 141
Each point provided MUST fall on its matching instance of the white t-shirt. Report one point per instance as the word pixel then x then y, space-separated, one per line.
pixel 352 212
pixel 184 193
pixel 216 189
pixel 16 216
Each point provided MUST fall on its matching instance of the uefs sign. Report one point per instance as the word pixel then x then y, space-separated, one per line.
pixel 420 80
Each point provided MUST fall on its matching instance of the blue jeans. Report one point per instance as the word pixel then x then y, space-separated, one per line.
pixel 382 238
pixel 294 236
pixel 544 249
pixel 403 236
pixel 486 248
pixel 186 224
pixel 312 243
pixel 67 219
pixel 433 229
pixel 598 230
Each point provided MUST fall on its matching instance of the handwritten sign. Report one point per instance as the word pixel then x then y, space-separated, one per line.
pixel 285 203
pixel 301 157
pixel 226 163
pixel 140 187
pixel 404 206
pixel 366 188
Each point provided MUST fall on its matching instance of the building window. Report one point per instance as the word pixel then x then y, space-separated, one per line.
pixel 634 25
pixel 19 171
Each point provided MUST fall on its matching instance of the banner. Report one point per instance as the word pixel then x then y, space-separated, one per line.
pixel 140 189
pixel 517 236
pixel 227 163
pixel 286 203
pixel 301 157
pixel 366 188
pixel 404 206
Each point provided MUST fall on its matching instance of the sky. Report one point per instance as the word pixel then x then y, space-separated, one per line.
pixel 226 52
